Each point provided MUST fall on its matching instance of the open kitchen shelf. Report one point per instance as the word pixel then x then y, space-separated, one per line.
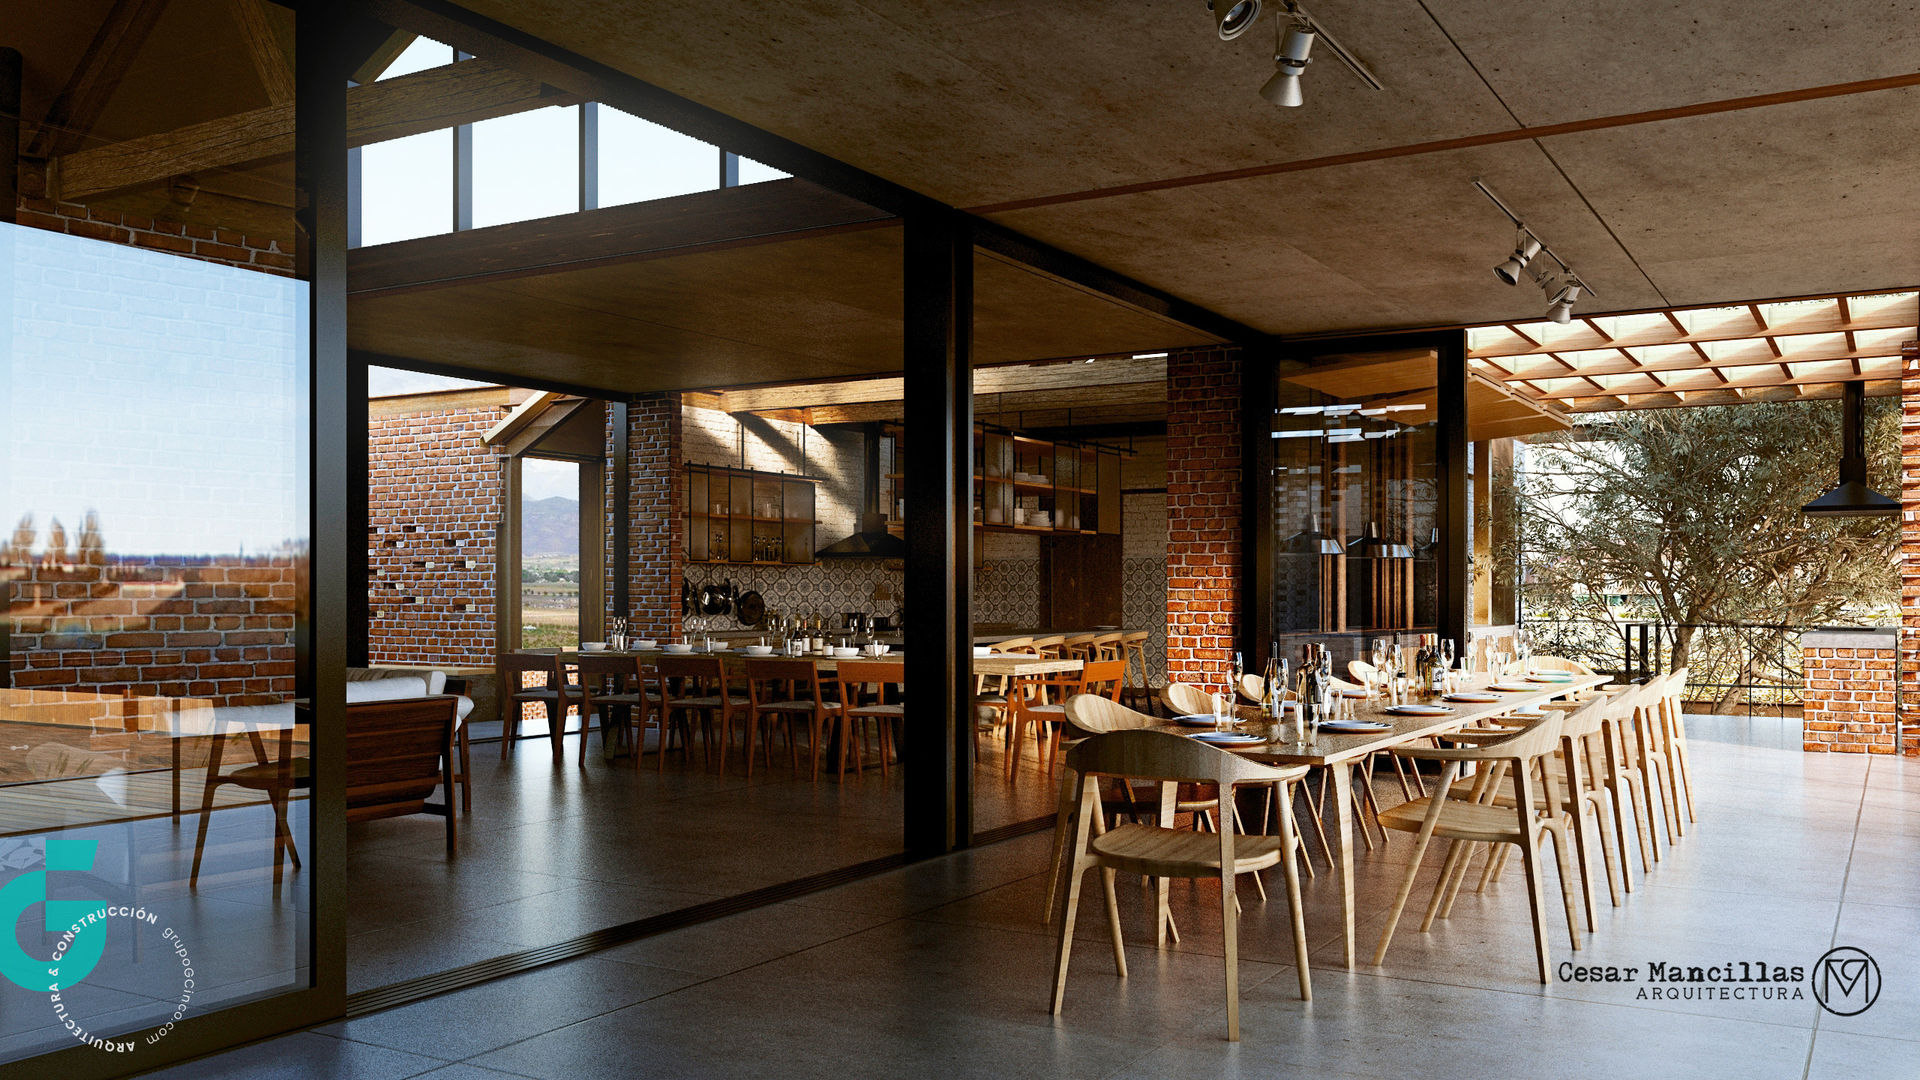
pixel 1031 485
pixel 748 517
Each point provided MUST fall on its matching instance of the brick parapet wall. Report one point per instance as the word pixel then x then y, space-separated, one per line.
pixel 1910 543
pixel 655 531
pixel 435 501
pixel 218 629
pixel 1849 700
pixel 197 241
pixel 1204 483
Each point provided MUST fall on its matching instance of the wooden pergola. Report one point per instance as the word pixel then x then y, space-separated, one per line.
pixel 1786 350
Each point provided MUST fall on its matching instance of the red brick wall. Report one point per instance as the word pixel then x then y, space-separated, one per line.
pixel 199 241
pixel 219 629
pixel 435 499
pixel 655 530
pixel 1849 701
pixel 1910 544
pixel 1203 512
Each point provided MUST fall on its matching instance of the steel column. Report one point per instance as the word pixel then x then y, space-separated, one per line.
pixel 938 743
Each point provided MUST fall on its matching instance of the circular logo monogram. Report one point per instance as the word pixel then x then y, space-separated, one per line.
pixel 1846 981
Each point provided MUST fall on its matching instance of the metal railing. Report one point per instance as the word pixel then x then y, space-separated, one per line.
pixel 1729 666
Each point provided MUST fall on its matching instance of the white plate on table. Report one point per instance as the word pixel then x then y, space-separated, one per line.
pixel 1474 698
pixel 1356 693
pixel 1418 710
pixel 1354 727
pixel 1200 720
pixel 677 647
pixel 1549 678
pixel 1227 738
pixel 1514 688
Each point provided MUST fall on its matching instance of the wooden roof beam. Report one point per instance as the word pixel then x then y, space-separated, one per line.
pixel 462 93
pixel 1595 327
pixel 264 47
pixel 1572 392
pixel 76 109
pixel 1691 362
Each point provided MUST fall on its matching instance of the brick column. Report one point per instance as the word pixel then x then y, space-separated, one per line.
pixel 1910 544
pixel 1849 691
pixel 1203 512
pixel 657 546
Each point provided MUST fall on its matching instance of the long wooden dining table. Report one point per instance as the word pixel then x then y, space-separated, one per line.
pixel 993 664
pixel 1338 754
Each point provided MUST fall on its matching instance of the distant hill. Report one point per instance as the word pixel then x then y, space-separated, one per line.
pixel 550 526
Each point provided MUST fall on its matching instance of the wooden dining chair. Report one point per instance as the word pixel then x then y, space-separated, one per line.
pixel 1079 647
pixel 1047 645
pixel 865 686
pixel 1133 649
pixel 782 691
pixel 277 776
pixel 609 683
pixel 1673 727
pixel 697 686
pixel 1160 852
pixel 553 695
pixel 1039 704
pixel 1186 699
pixel 992 708
pixel 1523 754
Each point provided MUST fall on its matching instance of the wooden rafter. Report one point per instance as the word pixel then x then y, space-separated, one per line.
pixel 1811 319
pixel 1020 378
pixel 462 93
pixel 77 108
pixel 1524 336
pixel 1691 362
pixel 1595 327
pixel 264 47
pixel 1759 320
pixel 1569 389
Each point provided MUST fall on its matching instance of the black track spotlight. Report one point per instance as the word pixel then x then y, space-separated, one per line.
pixel 1233 17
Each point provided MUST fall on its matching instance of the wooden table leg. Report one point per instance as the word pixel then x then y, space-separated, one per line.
pixel 1343 826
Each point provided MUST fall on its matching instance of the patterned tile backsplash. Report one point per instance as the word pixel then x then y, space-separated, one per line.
pixel 1006 592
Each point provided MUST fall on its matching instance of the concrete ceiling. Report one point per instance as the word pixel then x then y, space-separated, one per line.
pixel 1031 113
pixel 812 308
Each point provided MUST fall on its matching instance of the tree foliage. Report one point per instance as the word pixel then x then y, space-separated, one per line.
pixel 1693 516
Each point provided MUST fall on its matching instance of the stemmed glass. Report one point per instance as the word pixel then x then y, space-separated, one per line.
pixel 1446 657
pixel 1523 650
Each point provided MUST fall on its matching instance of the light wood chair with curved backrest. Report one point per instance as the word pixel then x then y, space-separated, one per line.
pixel 1185 699
pixel 1575 790
pixel 1673 713
pixel 1092 714
pixel 1461 822
pixel 1048 645
pixel 1078 647
pixel 1155 851
pixel 1623 737
pixel 555 696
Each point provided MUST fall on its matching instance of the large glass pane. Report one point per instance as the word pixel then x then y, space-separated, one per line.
pixel 423 54
pixel 406 188
pixel 640 160
pixel 1354 523
pixel 549 554
pixel 752 172
pixel 526 166
pixel 155 481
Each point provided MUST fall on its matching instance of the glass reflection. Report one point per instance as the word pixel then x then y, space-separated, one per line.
pixel 155 481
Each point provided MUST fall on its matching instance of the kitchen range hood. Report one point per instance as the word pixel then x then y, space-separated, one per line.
pixel 1852 498
pixel 873 541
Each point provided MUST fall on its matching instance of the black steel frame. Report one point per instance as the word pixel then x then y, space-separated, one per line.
pixel 1261 364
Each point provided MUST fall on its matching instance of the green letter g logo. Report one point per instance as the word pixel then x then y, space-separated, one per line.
pixel 65 851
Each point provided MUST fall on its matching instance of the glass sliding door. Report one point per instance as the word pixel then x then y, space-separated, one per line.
pixel 157 849
pixel 1351 531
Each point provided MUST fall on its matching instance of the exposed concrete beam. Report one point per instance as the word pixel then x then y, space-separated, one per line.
pixel 701 221
pixel 462 93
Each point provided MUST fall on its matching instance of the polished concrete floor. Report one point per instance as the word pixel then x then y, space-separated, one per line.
pixel 942 968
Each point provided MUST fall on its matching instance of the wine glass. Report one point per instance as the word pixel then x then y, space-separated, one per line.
pixel 1523 650
pixel 1234 672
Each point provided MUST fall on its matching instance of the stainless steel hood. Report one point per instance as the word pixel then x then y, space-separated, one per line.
pixel 873 541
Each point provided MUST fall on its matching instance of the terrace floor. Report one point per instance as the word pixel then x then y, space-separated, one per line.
pixel 942 968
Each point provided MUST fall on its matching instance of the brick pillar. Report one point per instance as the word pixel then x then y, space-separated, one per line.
pixel 1849 691
pixel 655 528
pixel 1203 512
pixel 1910 544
